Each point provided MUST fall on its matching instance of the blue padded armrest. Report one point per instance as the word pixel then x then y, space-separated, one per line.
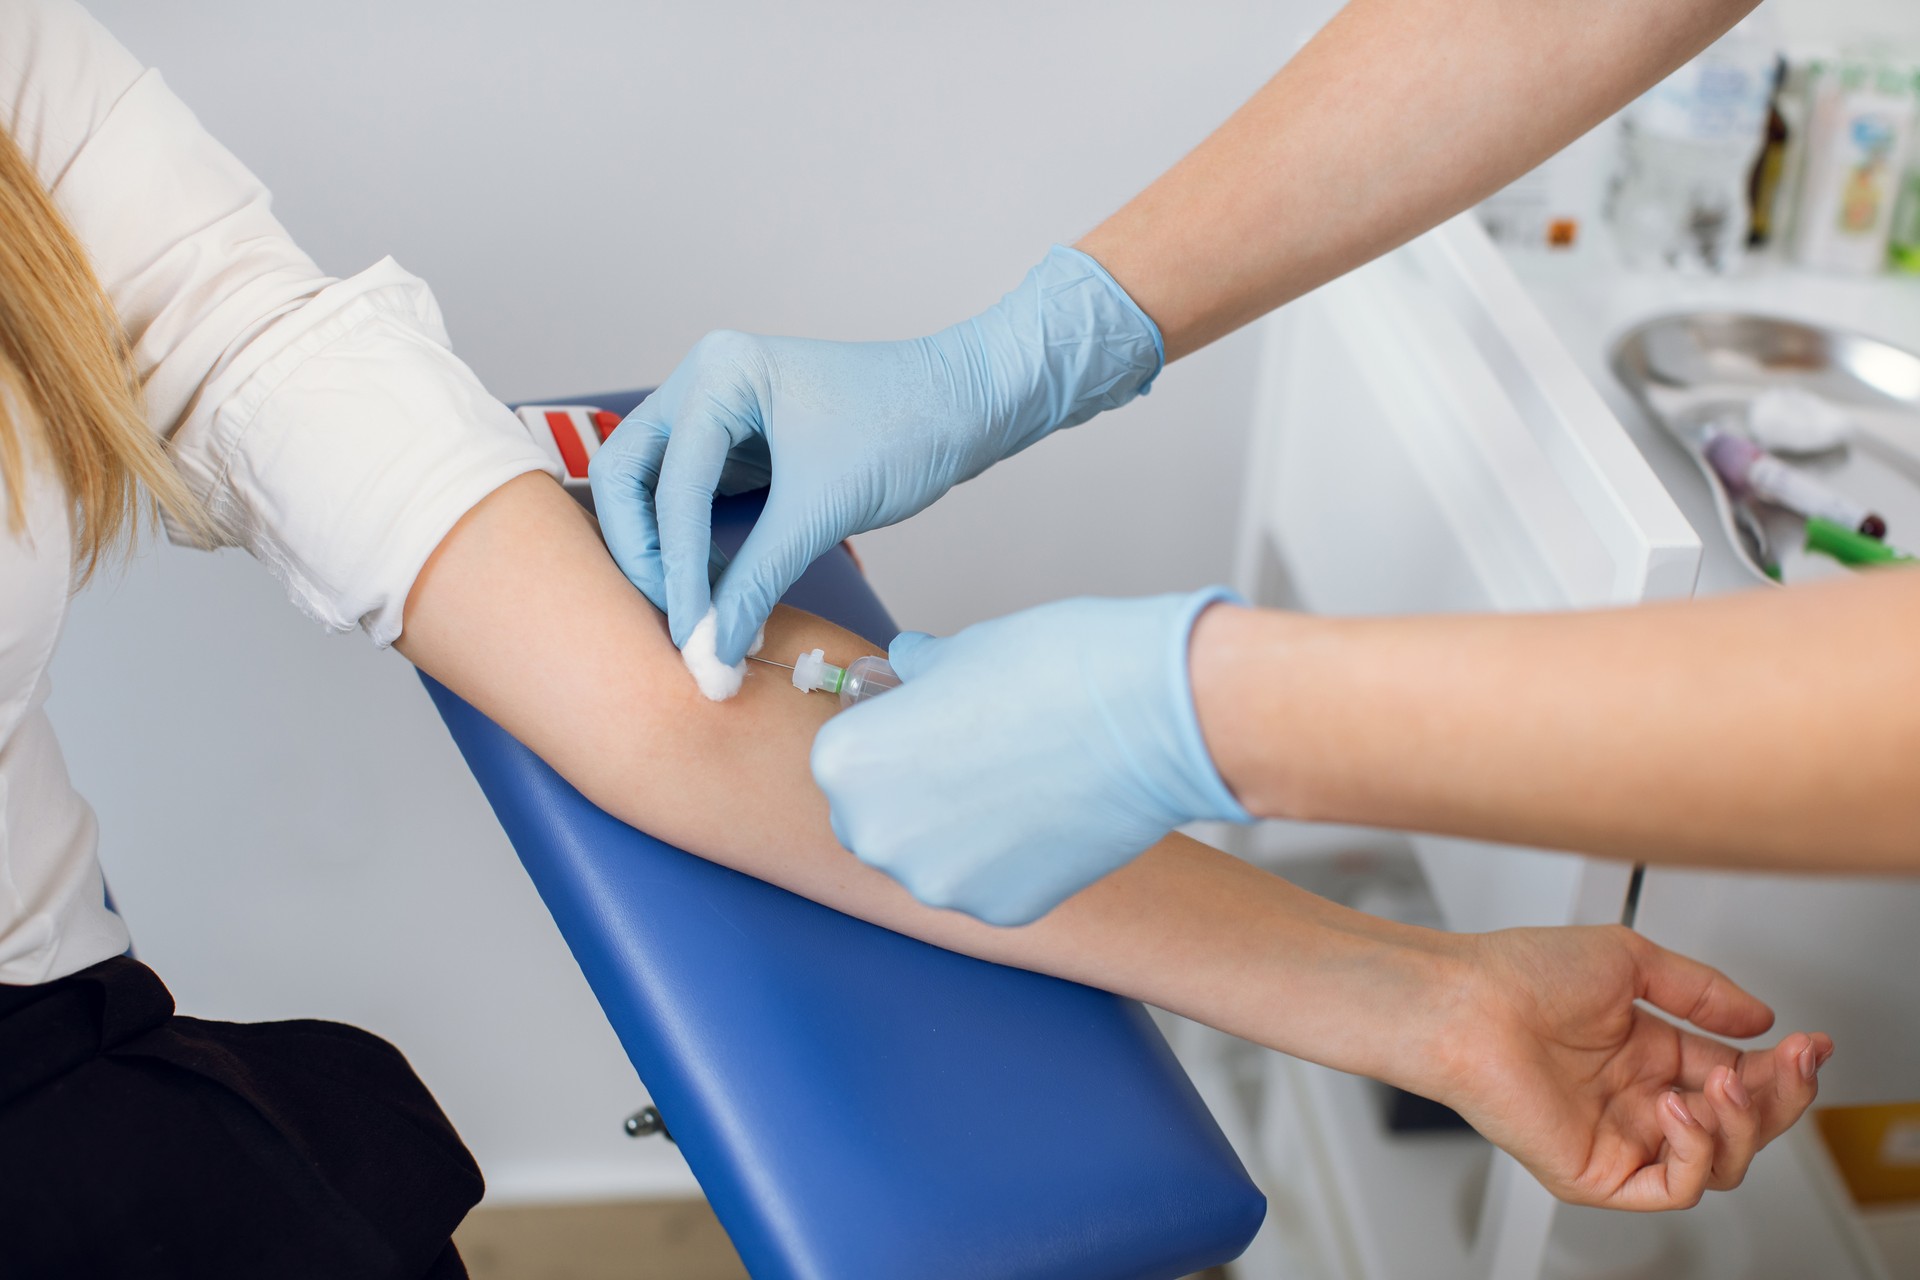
pixel 858 1105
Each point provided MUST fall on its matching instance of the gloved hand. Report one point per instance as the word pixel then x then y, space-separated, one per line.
pixel 853 435
pixel 1024 758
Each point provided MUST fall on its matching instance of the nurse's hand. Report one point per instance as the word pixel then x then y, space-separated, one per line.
pixel 1603 1102
pixel 851 435
pixel 1024 758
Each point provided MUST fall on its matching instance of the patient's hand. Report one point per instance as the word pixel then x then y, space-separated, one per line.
pixel 1605 1103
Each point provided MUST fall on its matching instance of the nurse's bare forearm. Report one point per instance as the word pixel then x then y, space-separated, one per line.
pixel 1398 115
pixel 1772 729
pixel 522 613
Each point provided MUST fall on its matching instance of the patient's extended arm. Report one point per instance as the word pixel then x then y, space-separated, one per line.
pixel 1533 1035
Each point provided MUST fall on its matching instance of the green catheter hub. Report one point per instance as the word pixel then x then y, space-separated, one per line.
pixel 859 680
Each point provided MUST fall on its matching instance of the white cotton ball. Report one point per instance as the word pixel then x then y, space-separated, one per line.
pixel 716 679
pixel 1793 420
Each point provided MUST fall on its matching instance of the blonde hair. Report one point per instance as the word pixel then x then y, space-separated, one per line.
pixel 68 391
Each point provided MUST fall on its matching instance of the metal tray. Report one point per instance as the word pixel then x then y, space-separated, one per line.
pixel 1688 369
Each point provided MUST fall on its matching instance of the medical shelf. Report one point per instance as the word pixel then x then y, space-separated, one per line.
pixel 1438 432
pixel 1404 1204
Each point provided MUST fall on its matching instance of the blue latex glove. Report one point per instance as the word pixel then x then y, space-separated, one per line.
pixel 852 435
pixel 1024 758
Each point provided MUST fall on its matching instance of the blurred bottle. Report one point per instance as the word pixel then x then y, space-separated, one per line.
pixel 1555 207
pixel 1903 244
pixel 1857 141
pixel 1768 177
pixel 1687 154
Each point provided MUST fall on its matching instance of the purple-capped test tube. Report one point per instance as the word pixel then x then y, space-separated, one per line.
pixel 1750 471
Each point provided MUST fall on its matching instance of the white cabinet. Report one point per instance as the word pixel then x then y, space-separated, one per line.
pixel 1424 444
pixel 1425 441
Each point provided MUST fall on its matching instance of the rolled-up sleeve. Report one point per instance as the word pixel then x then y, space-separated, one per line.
pixel 325 423
pixel 343 458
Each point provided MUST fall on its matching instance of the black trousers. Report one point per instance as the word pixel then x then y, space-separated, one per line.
pixel 134 1143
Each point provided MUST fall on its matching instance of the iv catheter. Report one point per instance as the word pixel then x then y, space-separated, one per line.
pixel 859 680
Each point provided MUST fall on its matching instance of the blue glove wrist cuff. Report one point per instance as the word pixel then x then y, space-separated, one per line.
pixel 1066 345
pixel 1088 262
pixel 1214 799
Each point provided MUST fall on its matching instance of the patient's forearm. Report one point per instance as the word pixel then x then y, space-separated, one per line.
pixel 522 613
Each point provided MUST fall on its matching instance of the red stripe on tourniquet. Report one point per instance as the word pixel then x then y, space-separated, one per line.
pixel 605 422
pixel 572 452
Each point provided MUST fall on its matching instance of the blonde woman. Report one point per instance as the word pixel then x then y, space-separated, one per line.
pixel 163 341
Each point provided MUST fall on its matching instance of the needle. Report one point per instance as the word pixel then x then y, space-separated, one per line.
pixel 770 662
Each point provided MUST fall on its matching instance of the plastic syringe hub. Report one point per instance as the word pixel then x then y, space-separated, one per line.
pixel 864 678
pixel 867 677
pixel 812 671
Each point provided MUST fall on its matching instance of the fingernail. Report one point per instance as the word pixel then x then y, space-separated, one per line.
pixel 1680 1111
pixel 1736 1092
pixel 1808 1067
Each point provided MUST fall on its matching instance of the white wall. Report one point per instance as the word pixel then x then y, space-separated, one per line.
pixel 1835 25
pixel 589 187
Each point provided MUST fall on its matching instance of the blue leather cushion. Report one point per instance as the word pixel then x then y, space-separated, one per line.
pixel 857 1104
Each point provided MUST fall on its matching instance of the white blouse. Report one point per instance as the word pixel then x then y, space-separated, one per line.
pixel 324 422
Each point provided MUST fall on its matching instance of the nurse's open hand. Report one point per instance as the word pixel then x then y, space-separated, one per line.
pixel 1603 1102
pixel 851 435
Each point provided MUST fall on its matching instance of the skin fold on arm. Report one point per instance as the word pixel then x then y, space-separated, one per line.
pixel 1534 1035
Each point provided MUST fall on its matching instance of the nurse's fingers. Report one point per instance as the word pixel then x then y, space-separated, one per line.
pixel 623 474
pixel 690 469
pixel 1700 993
pixel 1678 1178
pixel 784 540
